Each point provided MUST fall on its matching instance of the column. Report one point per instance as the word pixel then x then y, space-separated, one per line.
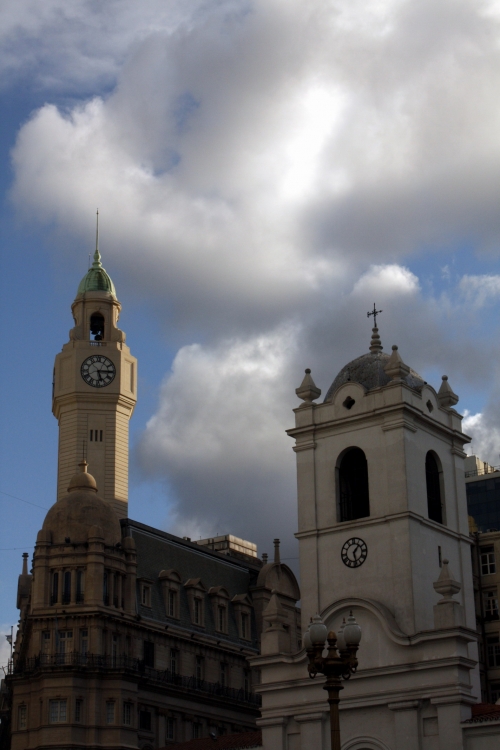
pixel 406 724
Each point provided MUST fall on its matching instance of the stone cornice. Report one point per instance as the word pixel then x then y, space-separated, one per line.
pixel 348 422
pixel 361 523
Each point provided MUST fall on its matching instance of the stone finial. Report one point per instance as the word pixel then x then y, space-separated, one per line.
pixel 275 639
pixel 375 343
pixel 308 390
pixel 25 564
pixel 395 367
pixel 446 397
pixel 264 558
pixel 447 612
pixel 277 551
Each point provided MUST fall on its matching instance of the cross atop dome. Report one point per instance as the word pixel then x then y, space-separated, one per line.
pixel 375 344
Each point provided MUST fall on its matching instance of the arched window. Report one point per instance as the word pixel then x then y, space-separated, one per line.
pixel 97 326
pixel 433 483
pixel 353 486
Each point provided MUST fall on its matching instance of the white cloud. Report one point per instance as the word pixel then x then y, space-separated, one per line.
pixel 218 436
pixel 478 290
pixel 258 156
pixel 389 280
pixel 260 164
pixel 484 429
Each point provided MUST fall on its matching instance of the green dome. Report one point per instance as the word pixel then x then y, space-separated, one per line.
pixel 96 279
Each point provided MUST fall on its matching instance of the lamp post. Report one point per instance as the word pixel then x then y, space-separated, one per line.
pixel 336 665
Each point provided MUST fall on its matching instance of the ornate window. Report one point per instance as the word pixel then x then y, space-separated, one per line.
pixel 149 654
pixel 58 711
pixel 174 660
pixel 491 604
pixel 223 674
pixel 127 713
pixel 79 710
pixel 488 565
pixel 54 588
pixel 433 479
pixel 66 597
pixel 80 586
pixel 22 717
pixel 493 648
pixel 145 720
pixel 170 728
pixel 110 712
pixel 198 669
pixel 353 496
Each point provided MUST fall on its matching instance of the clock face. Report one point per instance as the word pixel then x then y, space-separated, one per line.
pixel 98 371
pixel 354 552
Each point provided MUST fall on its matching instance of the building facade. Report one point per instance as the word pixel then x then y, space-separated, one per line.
pixel 383 532
pixel 482 482
pixel 129 637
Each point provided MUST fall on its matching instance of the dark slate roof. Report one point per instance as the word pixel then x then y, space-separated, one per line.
pixel 368 370
pixel 157 550
pixel 239 741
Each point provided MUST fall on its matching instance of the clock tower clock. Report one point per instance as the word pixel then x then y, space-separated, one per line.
pixel 95 391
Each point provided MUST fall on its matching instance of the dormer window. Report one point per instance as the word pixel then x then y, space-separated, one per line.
pixel 221 619
pixel 220 605
pixel 195 591
pixel 146 595
pixel 97 326
pixel 171 586
pixel 245 625
pixel 197 611
pixel 242 606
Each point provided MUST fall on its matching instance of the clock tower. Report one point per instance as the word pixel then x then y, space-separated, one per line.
pixel 95 391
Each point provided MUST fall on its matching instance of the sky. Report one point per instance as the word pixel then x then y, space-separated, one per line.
pixel 264 171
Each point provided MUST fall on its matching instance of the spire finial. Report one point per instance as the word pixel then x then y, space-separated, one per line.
pixel 97 255
pixel 375 343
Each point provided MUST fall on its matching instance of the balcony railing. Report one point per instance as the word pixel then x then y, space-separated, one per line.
pixel 483 472
pixel 97 343
pixel 122 663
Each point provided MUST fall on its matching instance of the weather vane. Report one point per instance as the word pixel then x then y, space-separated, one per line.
pixel 374 312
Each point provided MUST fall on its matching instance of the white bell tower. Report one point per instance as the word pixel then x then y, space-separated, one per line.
pixel 383 531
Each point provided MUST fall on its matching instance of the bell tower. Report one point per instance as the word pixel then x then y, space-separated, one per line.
pixel 95 390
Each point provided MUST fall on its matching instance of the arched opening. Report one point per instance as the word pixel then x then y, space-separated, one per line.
pixel 353 494
pixel 433 483
pixel 97 326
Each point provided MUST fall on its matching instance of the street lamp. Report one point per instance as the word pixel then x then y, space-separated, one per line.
pixel 335 665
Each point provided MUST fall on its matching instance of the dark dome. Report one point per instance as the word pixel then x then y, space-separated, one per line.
pixel 74 515
pixel 368 370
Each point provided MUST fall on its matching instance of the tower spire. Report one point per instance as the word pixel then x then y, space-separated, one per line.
pixel 97 255
pixel 375 343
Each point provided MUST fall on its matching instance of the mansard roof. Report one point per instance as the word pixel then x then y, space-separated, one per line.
pixel 158 551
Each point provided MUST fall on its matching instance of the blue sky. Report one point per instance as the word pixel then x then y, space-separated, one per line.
pixel 264 172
